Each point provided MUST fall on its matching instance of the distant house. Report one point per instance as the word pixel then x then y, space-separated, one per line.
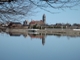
pixel 57 25
pixel 36 23
pixel 15 25
pixel 25 22
pixel 25 26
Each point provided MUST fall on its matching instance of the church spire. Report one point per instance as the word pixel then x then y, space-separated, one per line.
pixel 44 18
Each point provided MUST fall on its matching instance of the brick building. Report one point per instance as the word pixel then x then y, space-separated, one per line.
pixel 38 23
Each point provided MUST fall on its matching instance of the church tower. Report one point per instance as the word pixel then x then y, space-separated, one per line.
pixel 44 18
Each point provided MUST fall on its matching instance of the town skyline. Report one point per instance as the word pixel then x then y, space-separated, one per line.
pixel 64 16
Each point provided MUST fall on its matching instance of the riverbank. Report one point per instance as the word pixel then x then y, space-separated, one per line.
pixel 64 32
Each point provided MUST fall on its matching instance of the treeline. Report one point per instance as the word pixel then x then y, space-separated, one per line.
pixel 67 25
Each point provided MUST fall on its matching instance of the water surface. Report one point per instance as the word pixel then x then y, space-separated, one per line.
pixel 31 47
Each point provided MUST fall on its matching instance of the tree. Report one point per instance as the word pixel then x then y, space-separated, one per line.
pixel 15 10
pixel 55 4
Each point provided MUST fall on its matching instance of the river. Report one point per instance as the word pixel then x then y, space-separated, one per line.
pixel 37 47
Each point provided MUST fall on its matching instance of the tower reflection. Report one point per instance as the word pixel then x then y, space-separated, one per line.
pixel 39 36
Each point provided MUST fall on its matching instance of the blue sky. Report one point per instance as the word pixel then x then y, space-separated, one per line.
pixel 64 16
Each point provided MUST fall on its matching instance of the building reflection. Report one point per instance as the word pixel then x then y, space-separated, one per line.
pixel 14 34
pixel 17 34
pixel 39 36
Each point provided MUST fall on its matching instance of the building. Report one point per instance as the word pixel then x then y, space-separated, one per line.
pixel 44 18
pixel 38 23
pixel 25 22
pixel 33 22
pixel 15 25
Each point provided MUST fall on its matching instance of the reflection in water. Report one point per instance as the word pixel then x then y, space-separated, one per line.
pixel 43 40
pixel 39 35
pixel 56 48
pixel 14 34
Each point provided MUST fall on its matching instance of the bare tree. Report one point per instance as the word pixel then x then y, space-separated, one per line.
pixel 55 4
pixel 15 10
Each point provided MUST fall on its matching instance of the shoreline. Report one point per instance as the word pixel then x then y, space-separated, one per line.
pixel 63 32
pixel 47 31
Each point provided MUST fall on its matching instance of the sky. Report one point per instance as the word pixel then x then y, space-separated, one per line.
pixel 64 16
